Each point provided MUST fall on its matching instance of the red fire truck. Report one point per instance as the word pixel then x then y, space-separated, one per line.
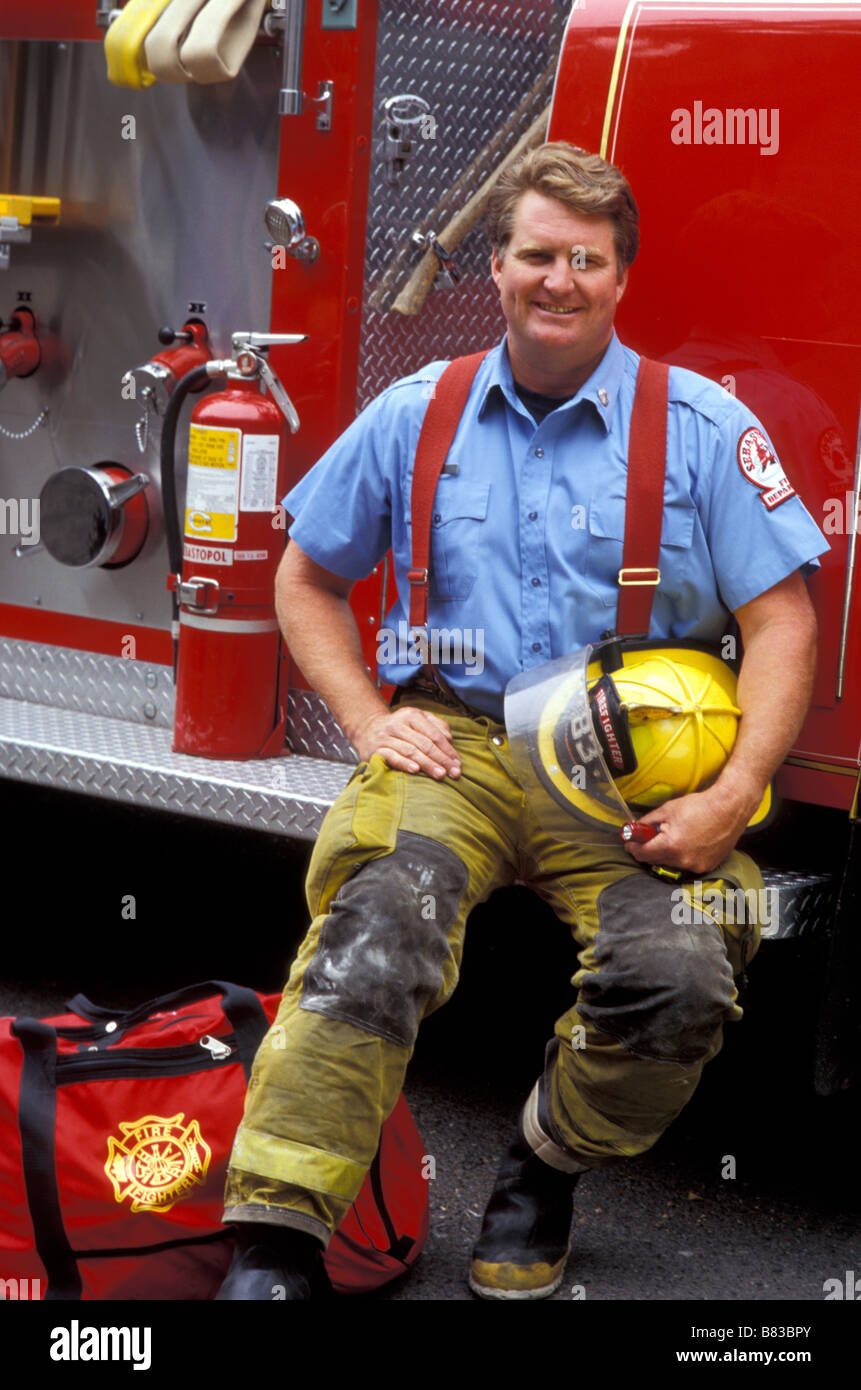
pixel 202 281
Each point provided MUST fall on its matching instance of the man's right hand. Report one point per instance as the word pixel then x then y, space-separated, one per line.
pixel 409 739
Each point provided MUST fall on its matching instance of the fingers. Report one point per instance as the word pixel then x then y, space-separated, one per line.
pixel 682 842
pixel 413 740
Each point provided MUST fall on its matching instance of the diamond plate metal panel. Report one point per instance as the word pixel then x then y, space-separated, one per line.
pixel 806 904
pixel 312 730
pixel 131 763
pixel 110 686
pixel 474 63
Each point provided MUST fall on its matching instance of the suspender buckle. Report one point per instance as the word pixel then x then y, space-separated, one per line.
pixel 650 576
pixel 417 576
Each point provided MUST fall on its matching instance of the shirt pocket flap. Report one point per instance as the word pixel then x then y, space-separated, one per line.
pixel 464 500
pixel 607 519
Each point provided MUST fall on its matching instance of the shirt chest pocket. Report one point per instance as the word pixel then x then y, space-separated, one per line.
pixel 607 534
pixel 458 538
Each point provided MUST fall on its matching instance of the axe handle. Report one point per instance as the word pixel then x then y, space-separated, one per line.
pixel 414 293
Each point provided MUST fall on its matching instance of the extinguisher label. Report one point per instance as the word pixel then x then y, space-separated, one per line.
pixel 259 473
pixel 207 554
pixel 212 492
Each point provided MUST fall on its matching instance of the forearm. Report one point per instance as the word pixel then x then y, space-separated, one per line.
pixel 313 609
pixel 698 831
pixel 321 633
pixel 774 690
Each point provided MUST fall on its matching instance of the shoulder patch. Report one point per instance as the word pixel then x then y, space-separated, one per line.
pixel 758 463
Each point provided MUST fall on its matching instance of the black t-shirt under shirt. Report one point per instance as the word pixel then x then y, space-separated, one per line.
pixel 538 406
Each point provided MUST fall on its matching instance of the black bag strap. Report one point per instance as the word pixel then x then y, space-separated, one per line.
pixel 37 1118
pixel 241 1006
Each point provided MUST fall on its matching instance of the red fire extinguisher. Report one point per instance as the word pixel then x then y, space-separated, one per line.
pixel 230 700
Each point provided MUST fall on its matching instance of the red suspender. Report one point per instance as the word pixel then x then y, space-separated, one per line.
pixel 644 501
pixel 439 426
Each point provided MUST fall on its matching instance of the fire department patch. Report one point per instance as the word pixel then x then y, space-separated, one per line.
pixel 760 466
pixel 157 1161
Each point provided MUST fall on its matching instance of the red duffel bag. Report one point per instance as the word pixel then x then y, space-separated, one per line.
pixel 115 1135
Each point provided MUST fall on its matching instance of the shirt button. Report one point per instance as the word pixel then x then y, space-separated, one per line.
pixel 498 740
pixel 535 583
pixel 436 516
pixel 536 646
pixel 602 396
pixel 539 453
pixel 533 516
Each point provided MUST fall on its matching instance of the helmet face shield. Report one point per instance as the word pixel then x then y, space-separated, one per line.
pixel 556 752
pixel 601 747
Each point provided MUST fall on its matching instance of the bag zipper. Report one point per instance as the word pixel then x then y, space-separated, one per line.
pixel 129 1062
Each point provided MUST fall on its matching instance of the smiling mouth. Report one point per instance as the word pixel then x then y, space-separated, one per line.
pixel 555 308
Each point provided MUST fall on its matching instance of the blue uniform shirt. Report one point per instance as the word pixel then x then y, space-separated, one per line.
pixel 528 522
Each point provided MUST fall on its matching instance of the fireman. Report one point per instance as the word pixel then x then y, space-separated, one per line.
pixel 527 530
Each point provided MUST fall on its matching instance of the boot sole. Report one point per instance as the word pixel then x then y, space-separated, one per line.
pixel 520 1295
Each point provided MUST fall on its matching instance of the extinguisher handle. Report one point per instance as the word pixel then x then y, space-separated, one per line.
pixel 280 396
pixel 258 340
pixel 638 832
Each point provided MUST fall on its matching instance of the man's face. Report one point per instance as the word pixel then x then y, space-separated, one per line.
pixel 560 319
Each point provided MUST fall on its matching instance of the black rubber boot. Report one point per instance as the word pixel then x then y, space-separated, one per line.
pixel 273 1263
pixel 526 1234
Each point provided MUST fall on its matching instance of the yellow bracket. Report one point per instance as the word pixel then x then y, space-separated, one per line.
pixel 28 210
pixel 124 43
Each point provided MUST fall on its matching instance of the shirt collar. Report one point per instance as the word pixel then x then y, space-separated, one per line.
pixel 601 389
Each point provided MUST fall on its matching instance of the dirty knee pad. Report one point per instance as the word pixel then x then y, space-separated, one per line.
pixel 382 947
pixel 661 987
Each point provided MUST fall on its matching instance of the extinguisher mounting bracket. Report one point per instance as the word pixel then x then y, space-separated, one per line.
pixel 198 592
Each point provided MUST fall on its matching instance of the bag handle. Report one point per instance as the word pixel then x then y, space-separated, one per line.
pixel 37 1119
pixel 241 1006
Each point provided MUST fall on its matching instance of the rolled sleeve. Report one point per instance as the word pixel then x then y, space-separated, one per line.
pixel 342 508
pixel 756 539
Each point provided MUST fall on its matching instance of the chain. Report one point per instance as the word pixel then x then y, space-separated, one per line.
pixel 142 432
pixel 22 434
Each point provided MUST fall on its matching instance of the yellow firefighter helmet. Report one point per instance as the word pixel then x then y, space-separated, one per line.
pixel 666 727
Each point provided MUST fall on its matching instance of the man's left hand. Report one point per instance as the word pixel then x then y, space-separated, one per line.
pixel 697 832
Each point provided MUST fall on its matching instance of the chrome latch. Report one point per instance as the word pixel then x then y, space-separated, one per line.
pixel 323 102
pixel 199 593
pixel 404 115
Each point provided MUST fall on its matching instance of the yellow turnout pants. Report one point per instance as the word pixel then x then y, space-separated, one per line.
pixel 400 862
